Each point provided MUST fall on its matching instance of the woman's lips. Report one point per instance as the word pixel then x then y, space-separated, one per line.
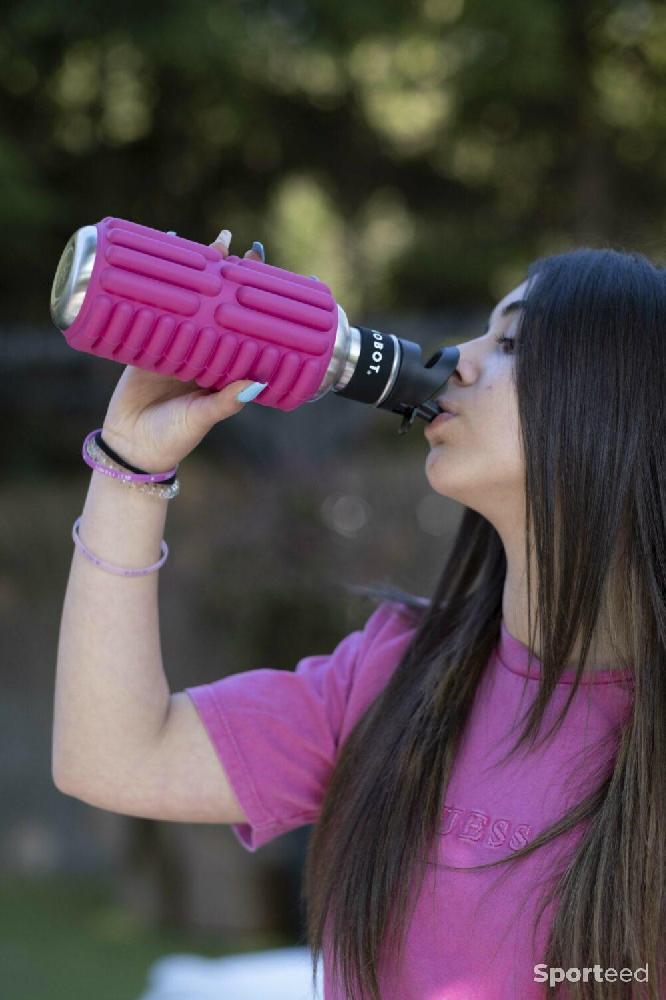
pixel 440 419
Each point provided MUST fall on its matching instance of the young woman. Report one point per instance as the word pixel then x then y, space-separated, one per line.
pixel 485 769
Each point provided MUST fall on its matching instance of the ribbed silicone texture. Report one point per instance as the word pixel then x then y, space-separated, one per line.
pixel 171 305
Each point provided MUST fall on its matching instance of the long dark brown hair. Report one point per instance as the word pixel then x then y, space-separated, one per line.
pixel 590 378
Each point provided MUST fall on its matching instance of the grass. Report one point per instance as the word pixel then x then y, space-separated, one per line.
pixel 66 939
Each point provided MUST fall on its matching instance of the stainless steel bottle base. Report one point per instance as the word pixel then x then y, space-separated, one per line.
pixel 72 276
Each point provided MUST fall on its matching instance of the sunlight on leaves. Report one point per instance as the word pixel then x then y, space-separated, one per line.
pixel 442 11
pixel 291 69
pixel 471 158
pixel 629 21
pixel 386 231
pixel 626 96
pixel 77 81
pixel 653 43
pixel 403 89
pixel 309 237
pixel 409 120
pixel 127 111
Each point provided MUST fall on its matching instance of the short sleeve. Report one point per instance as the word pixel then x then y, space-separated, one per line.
pixel 277 732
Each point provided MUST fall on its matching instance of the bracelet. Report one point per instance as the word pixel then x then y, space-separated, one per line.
pixel 115 457
pixel 119 570
pixel 160 484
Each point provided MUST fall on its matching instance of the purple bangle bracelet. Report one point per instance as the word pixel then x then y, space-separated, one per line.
pixel 118 570
pixel 135 477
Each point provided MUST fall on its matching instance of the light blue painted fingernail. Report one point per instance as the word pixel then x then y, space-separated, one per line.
pixel 251 392
pixel 259 248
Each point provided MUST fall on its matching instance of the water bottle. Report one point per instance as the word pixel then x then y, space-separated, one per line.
pixel 161 302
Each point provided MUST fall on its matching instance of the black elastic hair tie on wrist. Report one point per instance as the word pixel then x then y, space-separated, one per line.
pixel 99 440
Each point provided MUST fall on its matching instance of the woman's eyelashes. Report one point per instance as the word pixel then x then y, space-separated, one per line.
pixel 501 339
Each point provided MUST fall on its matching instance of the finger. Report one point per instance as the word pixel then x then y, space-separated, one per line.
pixel 222 241
pixel 256 252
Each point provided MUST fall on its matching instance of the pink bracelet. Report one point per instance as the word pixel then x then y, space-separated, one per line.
pixel 119 570
pixel 136 477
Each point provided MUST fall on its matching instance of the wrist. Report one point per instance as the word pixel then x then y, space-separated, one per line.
pixel 130 455
pixel 132 499
pixel 122 526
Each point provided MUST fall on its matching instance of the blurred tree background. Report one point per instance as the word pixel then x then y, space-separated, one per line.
pixel 416 156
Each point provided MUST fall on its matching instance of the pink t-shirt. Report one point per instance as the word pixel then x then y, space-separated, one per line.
pixel 277 733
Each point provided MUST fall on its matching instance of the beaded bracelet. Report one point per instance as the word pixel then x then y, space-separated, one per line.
pixel 115 457
pixel 145 482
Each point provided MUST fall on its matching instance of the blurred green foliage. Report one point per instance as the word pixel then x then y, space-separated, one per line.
pixel 68 939
pixel 411 155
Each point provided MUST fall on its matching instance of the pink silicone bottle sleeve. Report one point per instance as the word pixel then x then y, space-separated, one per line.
pixel 171 305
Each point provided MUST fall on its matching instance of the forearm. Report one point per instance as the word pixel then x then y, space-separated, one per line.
pixel 111 693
